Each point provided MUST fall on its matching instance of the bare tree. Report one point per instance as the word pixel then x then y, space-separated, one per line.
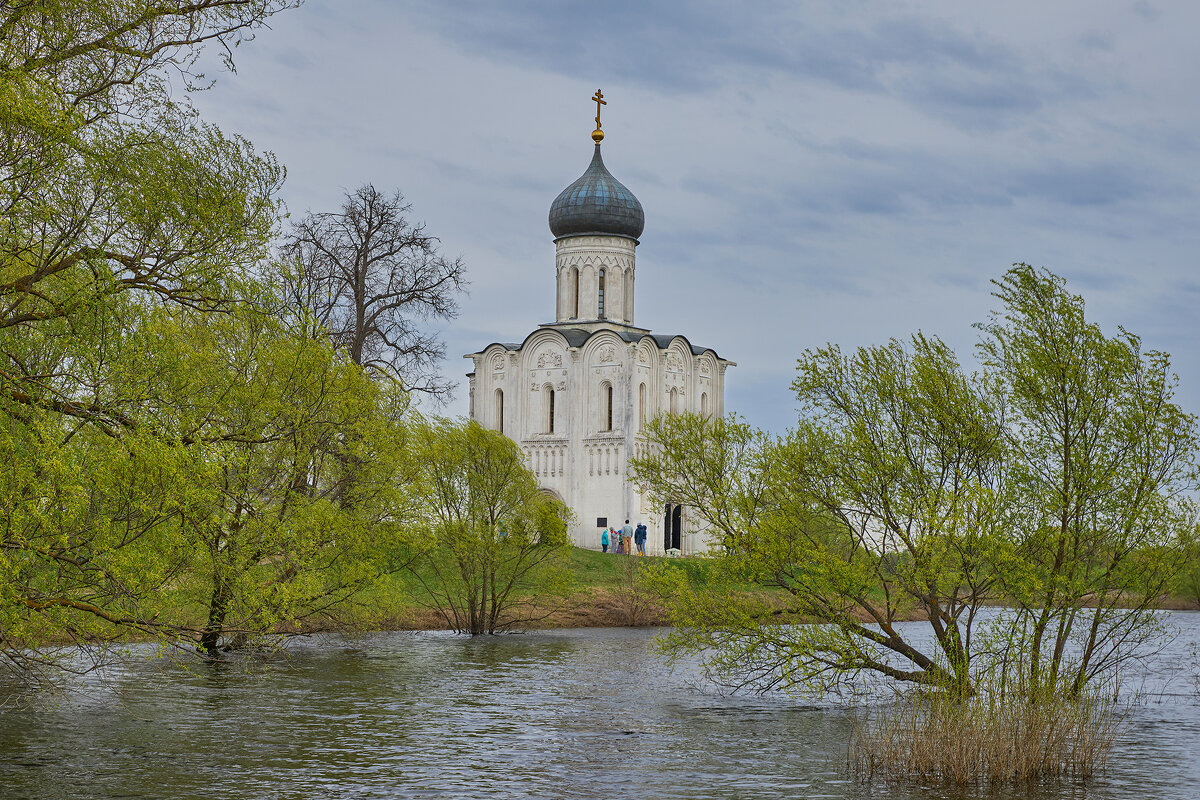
pixel 370 277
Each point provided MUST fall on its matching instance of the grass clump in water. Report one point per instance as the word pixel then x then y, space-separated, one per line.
pixel 991 737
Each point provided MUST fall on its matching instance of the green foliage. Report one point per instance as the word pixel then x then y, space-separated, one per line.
pixel 1102 465
pixel 272 427
pixel 1187 586
pixel 714 466
pixel 179 445
pixel 224 490
pixel 1058 481
pixel 496 539
pixel 873 507
pixel 87 540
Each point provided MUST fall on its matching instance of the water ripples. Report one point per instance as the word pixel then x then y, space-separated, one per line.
pixel 570 714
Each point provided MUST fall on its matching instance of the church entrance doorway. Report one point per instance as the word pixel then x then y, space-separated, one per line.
pixel 673 527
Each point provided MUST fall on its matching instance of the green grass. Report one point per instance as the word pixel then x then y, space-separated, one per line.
pixel 603 570
pixel 592 569
pixel 396 601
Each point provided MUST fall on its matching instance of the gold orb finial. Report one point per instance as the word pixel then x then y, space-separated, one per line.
pixel 598 135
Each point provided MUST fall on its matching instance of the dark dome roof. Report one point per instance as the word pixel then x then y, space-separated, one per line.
pixel 596 203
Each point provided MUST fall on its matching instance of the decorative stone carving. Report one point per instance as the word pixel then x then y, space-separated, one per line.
pixel 704 368
pixel 546 359
pixel 674 362
pixel 643 357
pixel 607 354
pixel 497 362
pixel 561 386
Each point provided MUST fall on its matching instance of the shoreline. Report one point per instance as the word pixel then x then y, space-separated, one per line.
pixel 601 609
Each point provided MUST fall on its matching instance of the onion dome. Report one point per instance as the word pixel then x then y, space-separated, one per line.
pixel 596 203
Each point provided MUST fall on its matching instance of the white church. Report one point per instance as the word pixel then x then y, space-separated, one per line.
pixel 576 393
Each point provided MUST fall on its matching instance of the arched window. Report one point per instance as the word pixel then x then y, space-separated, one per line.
pixel 600 303
pixel 574 289
pixel 641 406
pixel 549 409
pixel 674 400
pixel 500 410
pixel 704 404
pixel 608 406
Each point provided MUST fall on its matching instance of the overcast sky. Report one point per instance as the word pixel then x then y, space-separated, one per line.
pixel 811 172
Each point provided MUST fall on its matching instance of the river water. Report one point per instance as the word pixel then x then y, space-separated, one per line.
pixel 562 714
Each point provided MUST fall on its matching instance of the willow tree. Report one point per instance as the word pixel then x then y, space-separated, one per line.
pixel 1102 462
pixel 108 184
pixel 259 420
pixel 880 505
pixel 1058 480
pixel 493 536
pixel 113 197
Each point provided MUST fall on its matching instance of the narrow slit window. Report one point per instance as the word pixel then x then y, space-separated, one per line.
pixel 600 302
pixel 608 407
pixel 550 411
pixel 574 288
pixel 500 410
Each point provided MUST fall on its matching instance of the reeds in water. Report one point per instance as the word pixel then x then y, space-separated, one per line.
pixel 991 737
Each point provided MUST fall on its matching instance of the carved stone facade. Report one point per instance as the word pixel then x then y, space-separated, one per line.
pixel 577 393
pixel 601 397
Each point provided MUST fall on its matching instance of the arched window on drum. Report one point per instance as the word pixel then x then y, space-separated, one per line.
pixel 574 290
pixel 600 297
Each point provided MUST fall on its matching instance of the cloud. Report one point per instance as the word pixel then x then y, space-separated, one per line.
pixel 1078 184
pixel 833 171
pixel 958 74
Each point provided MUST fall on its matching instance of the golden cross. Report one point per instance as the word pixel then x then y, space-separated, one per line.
pixel 600 101
pixel 597 134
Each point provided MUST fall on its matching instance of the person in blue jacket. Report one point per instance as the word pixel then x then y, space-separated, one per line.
pixel 604 541
pixel 639 537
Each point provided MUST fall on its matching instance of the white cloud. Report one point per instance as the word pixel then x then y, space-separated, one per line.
pixel 839 172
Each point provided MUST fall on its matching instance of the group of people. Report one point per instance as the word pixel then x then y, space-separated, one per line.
pixel 625 539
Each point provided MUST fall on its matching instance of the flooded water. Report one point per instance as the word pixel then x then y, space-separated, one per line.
pixel 563 714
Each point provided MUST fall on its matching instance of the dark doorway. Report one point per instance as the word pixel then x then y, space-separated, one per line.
pixel 673 528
